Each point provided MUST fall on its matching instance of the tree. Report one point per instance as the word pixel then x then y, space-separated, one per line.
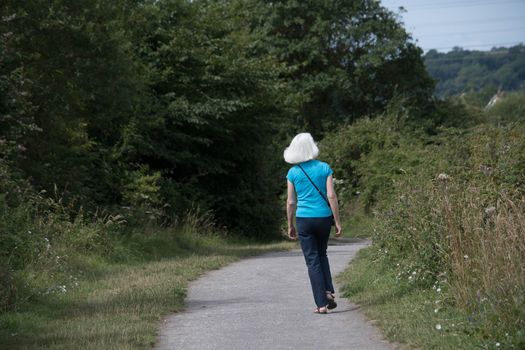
pixel 82 84
pixel 346 59
pixel 215 103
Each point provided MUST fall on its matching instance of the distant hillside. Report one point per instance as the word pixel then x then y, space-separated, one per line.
pixel 461 70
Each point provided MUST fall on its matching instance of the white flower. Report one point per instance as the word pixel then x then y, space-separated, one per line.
pixel 490 210
pixel 443 177
pixel 438 327
pixel 338 182
pixel 465 256
pixel 438 290
pixel 436 311
pixel 498 345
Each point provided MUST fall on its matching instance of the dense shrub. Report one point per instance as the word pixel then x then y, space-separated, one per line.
pixel 369 156
pixel 452 219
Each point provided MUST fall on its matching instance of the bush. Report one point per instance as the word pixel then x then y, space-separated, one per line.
pixel 451 210
pixel 462 228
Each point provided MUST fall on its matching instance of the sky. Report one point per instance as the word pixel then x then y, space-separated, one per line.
pixel 470 24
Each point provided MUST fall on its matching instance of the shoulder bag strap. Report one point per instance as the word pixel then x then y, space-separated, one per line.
pixel 317 188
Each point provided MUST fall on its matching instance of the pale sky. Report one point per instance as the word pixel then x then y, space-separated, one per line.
pixel 473 25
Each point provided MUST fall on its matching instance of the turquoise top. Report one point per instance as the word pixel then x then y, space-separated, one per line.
pixel 310 204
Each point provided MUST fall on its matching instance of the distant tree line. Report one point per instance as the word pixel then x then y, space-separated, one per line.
pixel 463 71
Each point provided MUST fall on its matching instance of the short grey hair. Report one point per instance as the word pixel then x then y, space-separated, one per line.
pixel 301 149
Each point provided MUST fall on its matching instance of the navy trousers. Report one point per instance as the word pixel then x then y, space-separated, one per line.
pixel 313 235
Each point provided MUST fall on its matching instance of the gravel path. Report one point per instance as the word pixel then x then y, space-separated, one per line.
pixel 265 302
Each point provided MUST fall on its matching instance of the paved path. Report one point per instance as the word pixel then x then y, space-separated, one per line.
pixel 265 302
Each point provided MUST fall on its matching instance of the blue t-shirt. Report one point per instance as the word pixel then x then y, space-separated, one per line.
pixel 310 204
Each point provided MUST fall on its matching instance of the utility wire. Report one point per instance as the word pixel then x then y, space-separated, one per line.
pixel 469 33
pixel 434 6
pixel 477 20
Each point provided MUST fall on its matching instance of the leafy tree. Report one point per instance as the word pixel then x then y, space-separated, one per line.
pixel 215 103
pixel 81 84
pixel 346 59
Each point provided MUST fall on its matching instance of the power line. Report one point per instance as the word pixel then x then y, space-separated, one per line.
pixel 432 6
pixel 479 20
pixel 467 33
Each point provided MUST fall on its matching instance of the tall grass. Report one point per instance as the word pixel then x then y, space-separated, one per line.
pixel 448 213
pixel 486 253
pixel 463 230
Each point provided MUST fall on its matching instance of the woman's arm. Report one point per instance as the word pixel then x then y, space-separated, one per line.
pixel 290 210
pixel 332 198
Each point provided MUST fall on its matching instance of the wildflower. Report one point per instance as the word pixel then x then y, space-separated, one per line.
pixel 436 311
pixel 490 211
pixel 338 182
pixel 498 345
pixel 443 177
pixel 486 170
pixel 9 18
pixel 465 256
pixel 413 272
pixel 438 327
pixel 438 290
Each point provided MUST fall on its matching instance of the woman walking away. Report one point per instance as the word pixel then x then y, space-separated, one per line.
pixel 311 193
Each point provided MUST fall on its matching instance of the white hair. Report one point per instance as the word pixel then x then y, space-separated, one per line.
pixel 301 149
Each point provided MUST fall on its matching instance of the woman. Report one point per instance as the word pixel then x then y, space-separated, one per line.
pixel 311 193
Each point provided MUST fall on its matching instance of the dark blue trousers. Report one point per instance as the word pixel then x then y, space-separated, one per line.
pixel 313 235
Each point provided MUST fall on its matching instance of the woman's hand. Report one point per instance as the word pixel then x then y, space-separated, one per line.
pixel 338 229
pixel 292 233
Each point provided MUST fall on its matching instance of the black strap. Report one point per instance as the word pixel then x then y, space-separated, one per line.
pixel 317 188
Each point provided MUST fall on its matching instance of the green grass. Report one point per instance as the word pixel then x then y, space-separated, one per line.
pixel 357 225
pixel 406 314
pixel 120 305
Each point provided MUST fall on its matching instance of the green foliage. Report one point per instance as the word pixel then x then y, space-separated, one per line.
pixel 452 218
pixel 345 59
pixel 461 71
pixel 214 110
pixel 371 155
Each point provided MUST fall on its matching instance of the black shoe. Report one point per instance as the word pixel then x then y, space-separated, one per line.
pixel 331 301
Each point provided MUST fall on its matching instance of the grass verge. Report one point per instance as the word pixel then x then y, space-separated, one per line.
pixel 406 314
pixel 114 305
pixel 357 225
